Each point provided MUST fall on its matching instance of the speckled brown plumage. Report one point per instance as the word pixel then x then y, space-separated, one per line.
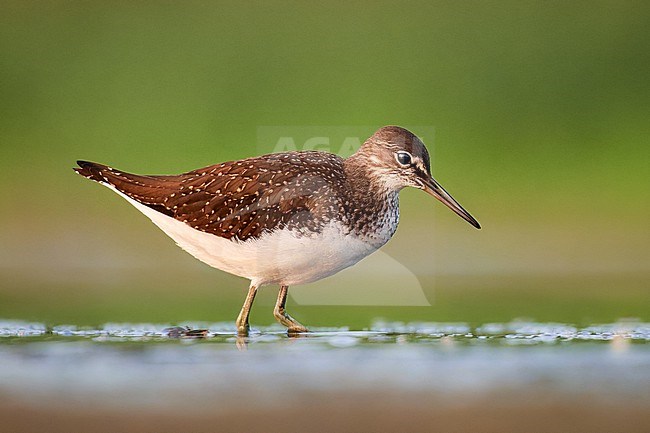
pixel 237 199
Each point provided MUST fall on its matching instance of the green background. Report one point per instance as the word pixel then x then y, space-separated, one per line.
pixel 541 114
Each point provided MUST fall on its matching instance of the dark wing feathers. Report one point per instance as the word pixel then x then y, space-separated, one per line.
pixel 238 199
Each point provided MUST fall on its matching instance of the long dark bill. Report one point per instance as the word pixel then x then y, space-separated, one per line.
pixel 432 187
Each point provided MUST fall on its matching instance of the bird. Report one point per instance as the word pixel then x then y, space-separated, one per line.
pixel 286 218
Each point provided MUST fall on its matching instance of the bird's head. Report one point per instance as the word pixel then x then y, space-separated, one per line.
pixel 400 159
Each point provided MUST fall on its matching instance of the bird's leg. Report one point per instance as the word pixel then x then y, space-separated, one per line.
pixel 242 319
pixel 281 315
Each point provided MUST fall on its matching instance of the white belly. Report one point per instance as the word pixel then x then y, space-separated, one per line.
pixel 280 257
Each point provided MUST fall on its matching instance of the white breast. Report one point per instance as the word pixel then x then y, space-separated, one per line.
pixel 280 257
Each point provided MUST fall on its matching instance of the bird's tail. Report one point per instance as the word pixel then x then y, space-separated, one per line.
pixel 91 170
pixel 148 190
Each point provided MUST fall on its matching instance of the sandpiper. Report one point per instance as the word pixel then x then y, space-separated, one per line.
pixel 284 218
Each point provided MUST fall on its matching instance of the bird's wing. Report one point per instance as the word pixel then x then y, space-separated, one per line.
pixel 237 199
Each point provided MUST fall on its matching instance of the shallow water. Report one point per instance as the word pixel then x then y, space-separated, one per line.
pixel 139 366
pixel 631 330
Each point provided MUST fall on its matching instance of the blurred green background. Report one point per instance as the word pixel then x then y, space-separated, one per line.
pixel 541 113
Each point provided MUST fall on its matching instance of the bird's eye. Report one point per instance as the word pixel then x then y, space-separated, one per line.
pixel 404 158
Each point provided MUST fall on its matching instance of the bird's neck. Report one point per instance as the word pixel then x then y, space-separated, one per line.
pixel 373 202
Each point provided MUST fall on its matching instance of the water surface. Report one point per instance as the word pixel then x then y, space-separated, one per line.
pixel 140 366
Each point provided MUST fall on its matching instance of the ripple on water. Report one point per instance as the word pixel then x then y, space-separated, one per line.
pixel 515 332
pixel 16 328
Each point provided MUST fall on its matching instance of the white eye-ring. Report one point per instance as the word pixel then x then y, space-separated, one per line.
pixel 403 158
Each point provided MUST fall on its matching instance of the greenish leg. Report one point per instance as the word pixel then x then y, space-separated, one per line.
pixel 242 319
pixel 281 315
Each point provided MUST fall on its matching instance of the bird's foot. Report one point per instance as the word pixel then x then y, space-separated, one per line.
pixel 293 326
pixel 243 330
pixel 294 331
